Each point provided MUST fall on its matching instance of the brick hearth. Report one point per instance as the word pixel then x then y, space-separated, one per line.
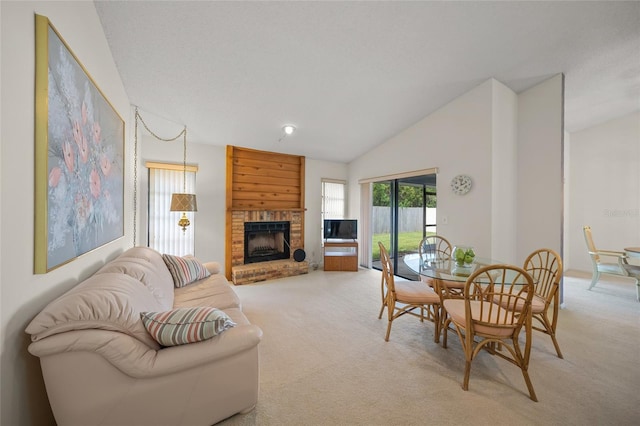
pixel 255 272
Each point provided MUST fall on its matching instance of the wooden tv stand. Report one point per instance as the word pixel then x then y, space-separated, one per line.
pixel 340 255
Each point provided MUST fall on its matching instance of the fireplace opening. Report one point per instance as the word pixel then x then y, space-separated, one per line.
pixel 264 241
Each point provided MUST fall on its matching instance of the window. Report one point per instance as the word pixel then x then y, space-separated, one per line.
pixel 333 201
pixel 164 233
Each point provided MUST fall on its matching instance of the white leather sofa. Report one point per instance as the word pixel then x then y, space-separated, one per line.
pixel 102 367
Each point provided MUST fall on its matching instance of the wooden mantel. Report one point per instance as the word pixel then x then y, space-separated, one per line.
pixel 261 184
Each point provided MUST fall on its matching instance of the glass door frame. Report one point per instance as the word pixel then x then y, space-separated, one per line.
pixel 425 181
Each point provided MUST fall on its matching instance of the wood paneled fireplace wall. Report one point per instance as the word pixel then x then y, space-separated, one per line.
pixel 263 187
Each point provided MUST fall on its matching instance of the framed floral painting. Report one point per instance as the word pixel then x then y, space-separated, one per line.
pixel 79 157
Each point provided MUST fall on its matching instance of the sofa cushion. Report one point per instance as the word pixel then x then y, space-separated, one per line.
pixel 108 301
pixel 213 267
pixel 185 270
pixel 214 291
pixel 186 325
pixel 145 265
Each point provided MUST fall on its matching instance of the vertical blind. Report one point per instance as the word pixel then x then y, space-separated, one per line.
pixel 333 201
pixel 165 235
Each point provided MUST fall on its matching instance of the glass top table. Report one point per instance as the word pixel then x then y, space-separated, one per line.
pixel 446 269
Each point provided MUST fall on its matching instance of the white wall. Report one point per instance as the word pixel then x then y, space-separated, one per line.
pixel 504 121
pixel 24 401
pixel 540 150
pixel 604 182
pixel 567 248
pixel 457 139
pixel 1 317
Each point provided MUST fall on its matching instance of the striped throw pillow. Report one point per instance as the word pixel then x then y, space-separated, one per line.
pixel 185 325
pixel 185 270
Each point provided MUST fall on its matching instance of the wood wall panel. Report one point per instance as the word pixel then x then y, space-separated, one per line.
pixel 261 179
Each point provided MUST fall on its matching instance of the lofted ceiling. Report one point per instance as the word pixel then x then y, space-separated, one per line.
pixel 350 75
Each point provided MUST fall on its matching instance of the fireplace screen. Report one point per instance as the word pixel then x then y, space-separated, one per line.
pixel 264 241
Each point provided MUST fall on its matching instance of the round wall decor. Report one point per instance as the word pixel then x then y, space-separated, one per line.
pixel 461 184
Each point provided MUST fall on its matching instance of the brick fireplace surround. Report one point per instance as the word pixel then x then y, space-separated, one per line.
pixel 261 271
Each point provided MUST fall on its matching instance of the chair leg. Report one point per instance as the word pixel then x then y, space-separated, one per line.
pixel 637 289
pixel 436 321
pixel 386 338
pixel 384 297
pixel 555 343
pixel 550 329
pixel 391 314
pixel 532 393
pixel 594 280
pixel 467 373
pixel 444 328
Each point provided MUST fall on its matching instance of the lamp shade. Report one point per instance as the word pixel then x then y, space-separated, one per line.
pixel 183 203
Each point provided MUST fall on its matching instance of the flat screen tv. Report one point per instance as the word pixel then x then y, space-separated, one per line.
pixel 341 229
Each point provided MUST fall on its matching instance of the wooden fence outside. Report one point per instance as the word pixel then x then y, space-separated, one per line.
pixel 410 219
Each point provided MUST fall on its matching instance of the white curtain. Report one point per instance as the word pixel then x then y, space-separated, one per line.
pixel 365 225
pixel 164 233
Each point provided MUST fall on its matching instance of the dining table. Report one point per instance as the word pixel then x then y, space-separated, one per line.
pixel 446 269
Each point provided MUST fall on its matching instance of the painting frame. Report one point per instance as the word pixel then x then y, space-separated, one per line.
pixel 79 157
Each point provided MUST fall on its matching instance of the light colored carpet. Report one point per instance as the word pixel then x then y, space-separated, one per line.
pixel 324 360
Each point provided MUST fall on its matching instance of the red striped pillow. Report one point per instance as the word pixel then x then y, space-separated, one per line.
pixel 185 325
pixel 185 270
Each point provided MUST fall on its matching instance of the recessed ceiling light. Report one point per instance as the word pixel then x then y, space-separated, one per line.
pixel 289 129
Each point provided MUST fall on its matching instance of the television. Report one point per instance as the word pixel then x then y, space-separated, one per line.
pixel 340 229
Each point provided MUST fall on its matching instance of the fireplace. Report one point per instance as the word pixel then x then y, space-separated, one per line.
pixel 264 241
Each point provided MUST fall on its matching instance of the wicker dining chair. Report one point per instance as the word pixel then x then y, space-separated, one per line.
pixel 407 297
pixel 434 247
pixel 545 267
pixel 495 308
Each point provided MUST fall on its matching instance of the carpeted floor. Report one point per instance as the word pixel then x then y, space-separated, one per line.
pixel 324 360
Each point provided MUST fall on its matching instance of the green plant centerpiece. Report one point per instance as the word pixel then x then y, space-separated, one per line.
pixel 463 256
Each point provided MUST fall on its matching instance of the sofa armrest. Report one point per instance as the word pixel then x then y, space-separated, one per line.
pixel 137 360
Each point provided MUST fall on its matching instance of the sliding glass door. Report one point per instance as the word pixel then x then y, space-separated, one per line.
pixel 404 212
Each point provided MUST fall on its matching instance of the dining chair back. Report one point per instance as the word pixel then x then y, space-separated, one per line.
pixel 407 297
pixel 545 267
pixel 495 308
pixel 434 247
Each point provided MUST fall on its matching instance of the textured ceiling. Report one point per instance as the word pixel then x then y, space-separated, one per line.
pixel 351 75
